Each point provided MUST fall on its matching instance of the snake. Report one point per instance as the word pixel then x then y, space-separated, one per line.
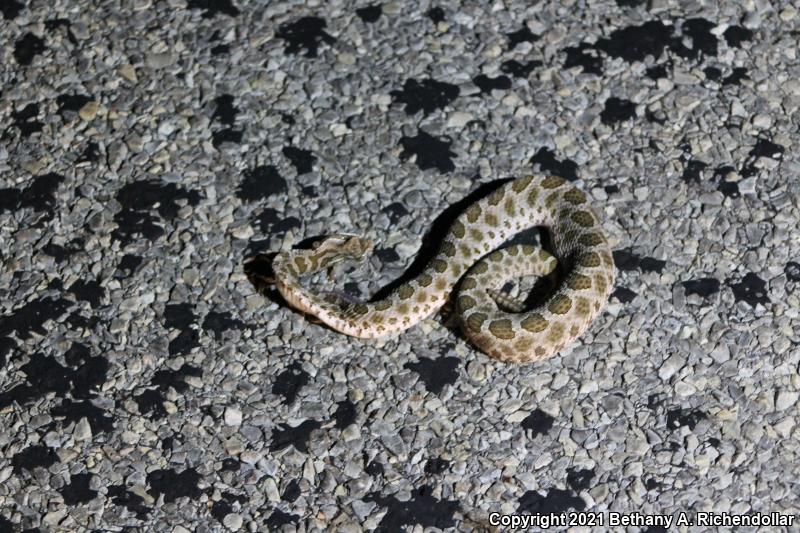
pixel 470 269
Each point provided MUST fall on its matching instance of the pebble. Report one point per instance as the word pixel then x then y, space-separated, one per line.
pixel 82 431
pixel 271 490
pixel 243 232
pixel 233 416
pixel 671 365
pixel 748 185
pixel 785 399
pixel 89 110
pixel 338 130
pixel 785 427
pixel 54 518
pixel 459 119
pixel 159 60
pixel 233 521
pixel 351 433
pixel 128 72
pixel 762 121
pixel 476 371
pixel 737 109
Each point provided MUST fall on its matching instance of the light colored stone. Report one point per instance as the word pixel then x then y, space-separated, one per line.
pixel 351 433
pixel 346 59
pixel 245 231
pixel 233 521
pixel 459 119
pixel 128 72
pixel 339 129
pixel 233 416
pixel 784 427
pixel 785 399
pixel 89 110
pixel 762 121
pixel 788 13
pixel 270 489
pixel 668 368
pixel 563 141
pixel 5 473
pixel 748 185
pixel 737 109
pixel 82 431
pixel 53 518
pixel 159 60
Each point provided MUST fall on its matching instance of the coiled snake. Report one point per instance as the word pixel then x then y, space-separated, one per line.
pixel 494 322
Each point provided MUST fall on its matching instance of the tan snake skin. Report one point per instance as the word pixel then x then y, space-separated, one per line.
pixel 504 331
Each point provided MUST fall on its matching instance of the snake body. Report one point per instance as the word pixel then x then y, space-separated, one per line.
pixel 493 321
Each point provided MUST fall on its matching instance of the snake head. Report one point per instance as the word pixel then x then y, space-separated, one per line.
pixel 346 245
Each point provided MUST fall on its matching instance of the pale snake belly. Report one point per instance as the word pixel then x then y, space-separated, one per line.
pixel 468 253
